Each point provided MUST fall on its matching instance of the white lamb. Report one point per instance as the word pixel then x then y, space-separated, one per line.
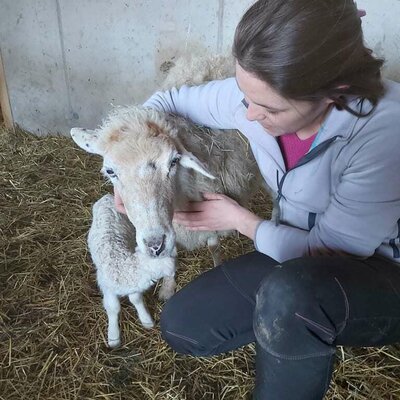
pixel 123 270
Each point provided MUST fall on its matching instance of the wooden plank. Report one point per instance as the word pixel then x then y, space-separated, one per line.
pixel 4 99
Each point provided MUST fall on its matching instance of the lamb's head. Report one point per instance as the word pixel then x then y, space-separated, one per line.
pixel 142 156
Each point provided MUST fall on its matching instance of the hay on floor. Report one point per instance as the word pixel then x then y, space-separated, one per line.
pixel 52 324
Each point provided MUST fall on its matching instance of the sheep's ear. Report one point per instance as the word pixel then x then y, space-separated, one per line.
pixel 188 160
pixel 87 139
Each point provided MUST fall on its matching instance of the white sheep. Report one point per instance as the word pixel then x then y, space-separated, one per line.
pixel 197 68
pixel 123 270
pixel 153 159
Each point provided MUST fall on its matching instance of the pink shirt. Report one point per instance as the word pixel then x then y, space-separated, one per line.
pixel 293 148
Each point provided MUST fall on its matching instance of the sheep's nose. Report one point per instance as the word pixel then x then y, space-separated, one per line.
pixel 155 245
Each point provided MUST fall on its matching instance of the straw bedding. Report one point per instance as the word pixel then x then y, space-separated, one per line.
pixel 52 324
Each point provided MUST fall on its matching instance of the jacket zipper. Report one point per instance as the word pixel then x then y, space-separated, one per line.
pixel 315 152
pixel 393 245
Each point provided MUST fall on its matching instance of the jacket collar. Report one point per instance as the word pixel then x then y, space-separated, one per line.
pixel 337 123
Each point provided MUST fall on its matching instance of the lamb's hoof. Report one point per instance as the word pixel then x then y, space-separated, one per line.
pixel 148 324
pixel 165 294
pixel 114 343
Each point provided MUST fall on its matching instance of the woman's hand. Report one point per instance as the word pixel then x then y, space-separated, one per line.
pixel 218 213
pixel 119 205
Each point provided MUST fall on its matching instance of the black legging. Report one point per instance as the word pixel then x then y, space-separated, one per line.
pixel 297 312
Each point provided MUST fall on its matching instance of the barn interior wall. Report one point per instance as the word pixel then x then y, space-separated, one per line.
pixel 67 61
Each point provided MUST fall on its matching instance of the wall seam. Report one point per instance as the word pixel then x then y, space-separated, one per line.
pixel 64 61
pixel 5 104
pixel 220 34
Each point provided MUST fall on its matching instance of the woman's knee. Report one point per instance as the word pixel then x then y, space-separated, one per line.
pixel 285 289
pixel 179 329
pixel 286 304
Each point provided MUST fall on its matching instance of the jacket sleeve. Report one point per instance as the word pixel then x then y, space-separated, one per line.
pixel 363 211
pixel 212 104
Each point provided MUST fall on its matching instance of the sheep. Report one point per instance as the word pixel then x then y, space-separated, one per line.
pixel 122 270
pixel 196 69
pixel 153 159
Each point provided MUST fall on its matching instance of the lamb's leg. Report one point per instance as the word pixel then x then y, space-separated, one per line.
pixel 137 300
pixel 113 307
pixel 215 249
pixel 167 289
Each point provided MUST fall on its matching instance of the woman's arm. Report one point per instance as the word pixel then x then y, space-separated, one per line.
pixel 218 213
pixel 362 213
pixel 212 104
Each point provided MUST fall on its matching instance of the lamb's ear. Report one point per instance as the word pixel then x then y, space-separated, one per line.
pixel 86 139
pixel 188 160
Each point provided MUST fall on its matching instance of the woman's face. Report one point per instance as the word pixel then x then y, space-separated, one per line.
pixel 276 114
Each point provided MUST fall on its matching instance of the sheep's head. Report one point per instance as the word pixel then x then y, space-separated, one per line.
pixel 141 156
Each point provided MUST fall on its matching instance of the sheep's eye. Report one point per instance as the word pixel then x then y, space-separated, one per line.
pixel 110 172
pixel 174 161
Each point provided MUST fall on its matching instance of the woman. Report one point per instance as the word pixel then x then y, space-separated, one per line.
pixel 324 128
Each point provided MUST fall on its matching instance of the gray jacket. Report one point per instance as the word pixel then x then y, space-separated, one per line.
pixel 343 196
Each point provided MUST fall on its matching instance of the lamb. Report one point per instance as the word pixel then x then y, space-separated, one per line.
pixel 153 159
pixel 123 270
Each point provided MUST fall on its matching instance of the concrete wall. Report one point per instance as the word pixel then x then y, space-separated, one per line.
pixel 66 60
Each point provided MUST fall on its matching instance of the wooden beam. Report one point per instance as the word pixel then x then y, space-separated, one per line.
pixel 4 98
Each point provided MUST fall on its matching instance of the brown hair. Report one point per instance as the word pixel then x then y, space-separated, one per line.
pixel 309 50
